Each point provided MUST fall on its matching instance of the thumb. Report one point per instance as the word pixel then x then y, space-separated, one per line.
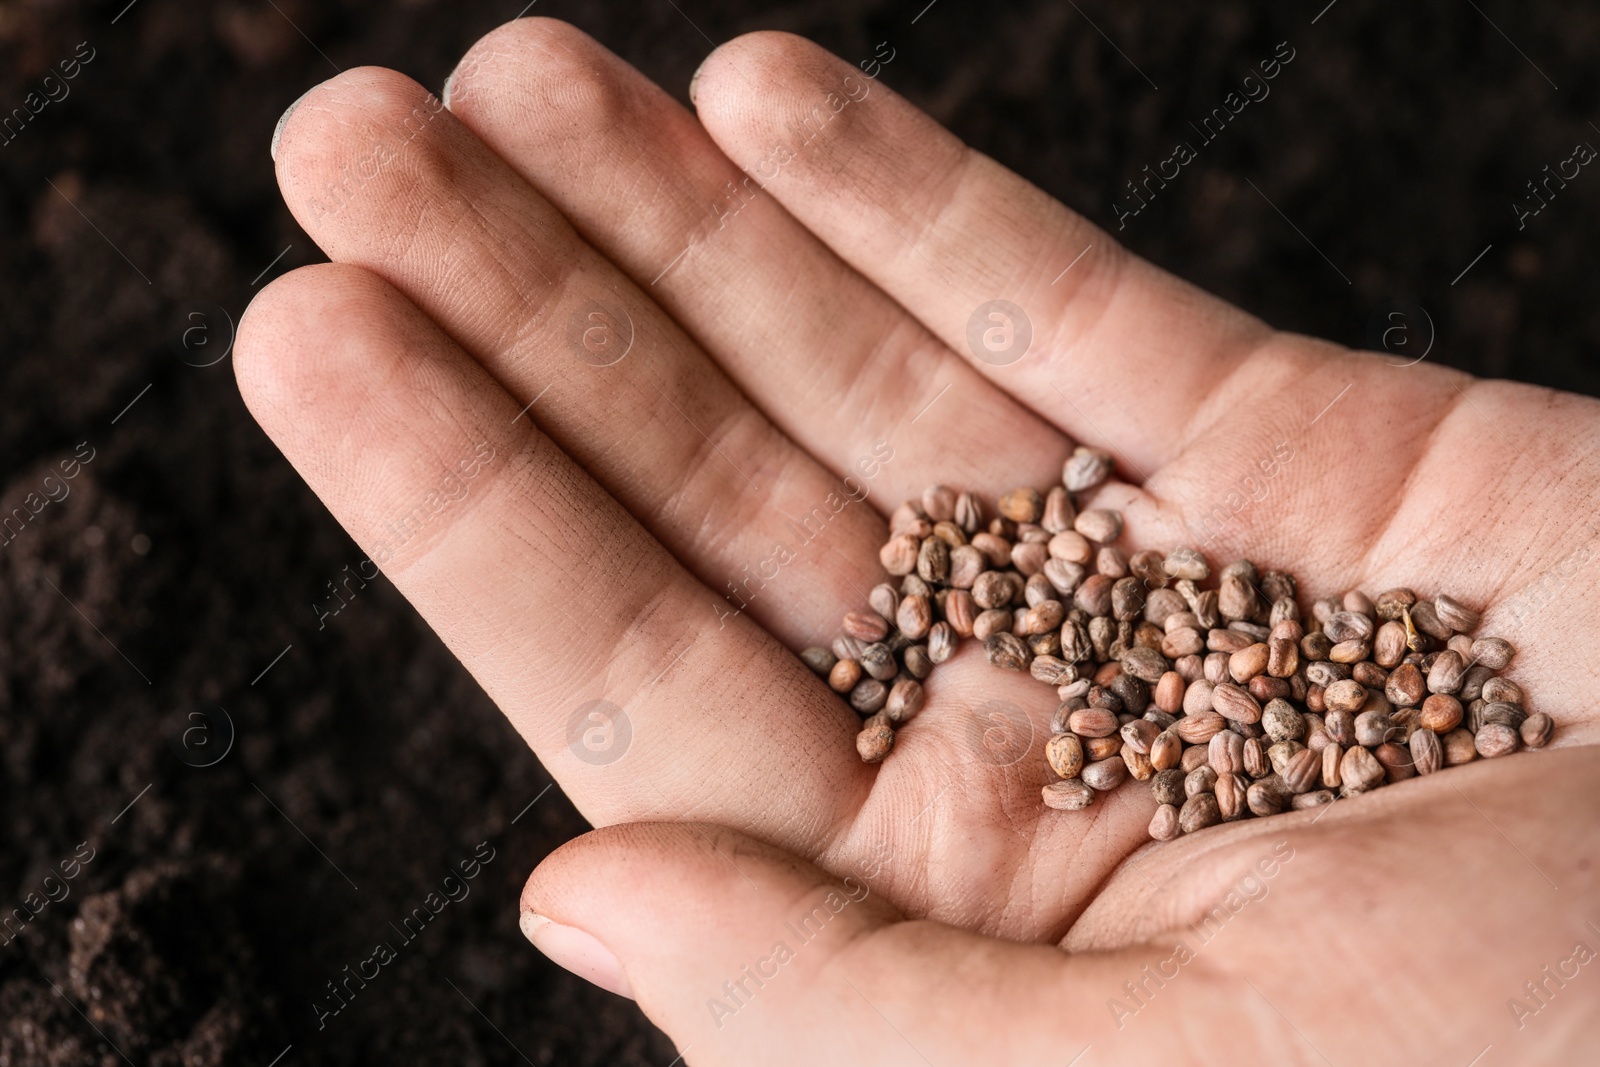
pixel 744 954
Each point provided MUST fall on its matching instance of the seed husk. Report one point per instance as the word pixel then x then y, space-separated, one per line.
pixel 1071 795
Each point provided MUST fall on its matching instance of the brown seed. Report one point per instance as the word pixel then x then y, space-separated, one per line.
pixel 1454 614
pixel 966 563
pixel 1256 763
pixel 1145 664
pixel 1139 765
pixel 997 550
pixel 938 503
pixel 1072 547
pixel 1086 468
pixel 1064 753
pixel 1072 795
pixel 950 534
pixel 819 660
pixel 1282 722
pixel 1093 597
pixel 1283 657
pixel 1168 695
pixel 1281 752
pixel 1446 673
pixel 914 617
pixel 1425 617
pixel 1344 696
pixel 1167 787
pixel 1389 644
pixel 1100 525
pixel 1536 730
pixel 1315 646
pixel 1236 596
pixel 844 676
pixel 905 515
pixel 1052 670
pixel 1063 576
pixel 869 696
pixel 1058 511
pixel 1044 616
pixel 1149 566
pixel 1304 772
pixel 1193 758
pixel 1101 748
pixel 1029 557
pixel 1226 752
pixel 1200 780
pixel 1022 505
pixel 1234 703
pixel 1093 722
pixel 1332 755
pixel 1459 747
pixel 1493 652
pixel 1427 755
pixel 1396 760
pixel 1230 792
pixel 1199 812
pixel 1164 824
pixel 1139 735
pixel 1374 728
pixel 1105 775
pixel 1127 599
pixel 876 739
pixel 960 611
pixel 1494 739
pixel 1166 750
pixel 899 555
pixel 1503 689
pixel 1348 626
pixel 1248 662
pixel 917 662
pixel 878 661
pixel 933 560
pixel 1007 651
pixel 1440 713
pixel 906 698
pixel 1200 729
pixel 1187 564
pixel 1502 714
pixel 1392 604
pixel 1307 801
pixel 1350 651
pixel 1265 798
pixel 1185 641
pixel 1359 771
pixel 991 590
pixel 1405 687
pixel 1341 726
pixel 1162 605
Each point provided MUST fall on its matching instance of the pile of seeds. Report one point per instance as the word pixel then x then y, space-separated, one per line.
pixel 1222 696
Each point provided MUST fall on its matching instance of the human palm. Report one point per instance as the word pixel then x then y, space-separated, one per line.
pixel 587 395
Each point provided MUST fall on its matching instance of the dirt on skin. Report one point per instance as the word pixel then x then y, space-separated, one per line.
pixel 250 798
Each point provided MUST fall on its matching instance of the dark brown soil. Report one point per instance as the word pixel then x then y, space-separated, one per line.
pixel 138 212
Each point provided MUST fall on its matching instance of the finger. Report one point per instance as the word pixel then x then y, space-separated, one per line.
pixel 832 360
pixel 382 178
pixel 582 628
pixel 744 954
pixel 1122 353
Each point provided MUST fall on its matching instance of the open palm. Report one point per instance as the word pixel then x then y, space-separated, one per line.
pixel 587 377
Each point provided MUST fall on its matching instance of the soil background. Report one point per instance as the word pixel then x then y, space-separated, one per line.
pixel 163 609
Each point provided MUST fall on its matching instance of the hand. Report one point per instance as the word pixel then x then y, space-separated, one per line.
pixel 572 527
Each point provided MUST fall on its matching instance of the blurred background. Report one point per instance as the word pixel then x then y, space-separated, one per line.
pixel 263 793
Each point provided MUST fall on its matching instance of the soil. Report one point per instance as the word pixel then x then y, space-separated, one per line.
pixel 211 807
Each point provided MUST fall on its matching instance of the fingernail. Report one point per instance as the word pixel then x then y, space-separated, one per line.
pixel 277 133
pixel 694 79
pixel 577 951
pixel 449 83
